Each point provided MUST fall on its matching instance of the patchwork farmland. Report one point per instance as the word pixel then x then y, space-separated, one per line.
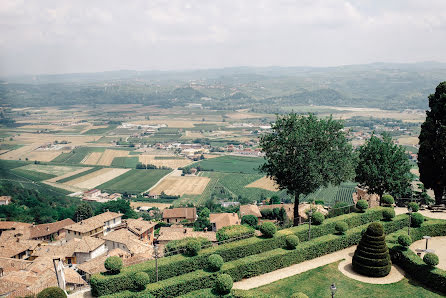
pixel 96 178
pixel 178 186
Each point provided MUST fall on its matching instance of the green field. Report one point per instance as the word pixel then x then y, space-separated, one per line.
pixel 76 155
pixel 100 131
pixel 32 175
pixel 167 157
pixel 134 181
pixel 333 194
pixel 55 170
pixel 4 146
pixel 231 164
pixel 125 162
pixel 66 179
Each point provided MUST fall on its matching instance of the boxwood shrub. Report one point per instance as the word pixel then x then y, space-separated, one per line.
pixel 417 219
pixel 237 231
pixel 268 229
pixel 180 246
pixel 317 218
pixel 431 259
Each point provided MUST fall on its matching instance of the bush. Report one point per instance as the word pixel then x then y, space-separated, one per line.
pixel 404 240
pixel 179 246
pixel 362 205
pixel 292 241
pixel 341 228
pixel 268 229
pixel 192 248
pixel 317 218
pixel 235 232
pixel 338 209
pixel 215 262
pixel 113 264
pixel 431 259
pixel 417 219
pixel 372 256
pixel 250 220
pixel 52 292
pixel 141 279
pixel 388 214
pixel 223 284
pixel 299 295
pixel 414 206
pixel 387 200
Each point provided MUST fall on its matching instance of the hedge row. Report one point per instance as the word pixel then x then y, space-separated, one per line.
pixel 261 263
pixel 102 284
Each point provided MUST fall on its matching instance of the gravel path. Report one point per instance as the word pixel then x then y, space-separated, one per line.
pixel 427 213
pixel 438 244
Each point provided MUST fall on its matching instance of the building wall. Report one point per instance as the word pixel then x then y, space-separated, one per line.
pixel 111 224
pixel 83 257
pixel 112 245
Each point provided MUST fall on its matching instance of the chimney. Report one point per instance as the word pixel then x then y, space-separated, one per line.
pixel 185 230
pixel 47 228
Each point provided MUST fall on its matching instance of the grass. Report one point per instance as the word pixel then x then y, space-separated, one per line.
pixel 66 179
pixel 100 131
pixel 31 175
pixel 134 181
pixel 125 162
pixel 316 283
pixel 231 164
pixel 76 155
pixel 4 146
pixel 332 194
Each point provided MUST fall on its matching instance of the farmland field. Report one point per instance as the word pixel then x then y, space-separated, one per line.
pixel 92 158
pixel 50 169
pixel 165 161
pixel 85 171
pixel 332 194
pixel 108 156
pixel 100 130
pixel 96 178
pixel 76 156
pixel 264 183
pixel 134 181
pixel 125 162
pixel 32 175
pixel 178 186
pixel 231 164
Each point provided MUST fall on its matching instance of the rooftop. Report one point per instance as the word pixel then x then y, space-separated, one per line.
pixel 250 210
pixel 93 223
pixel 139 226
pixel 224 219
pixel 188 213
pixel 124 236
pixel 49 228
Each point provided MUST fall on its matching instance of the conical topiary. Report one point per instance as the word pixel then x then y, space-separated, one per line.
pixel 372 257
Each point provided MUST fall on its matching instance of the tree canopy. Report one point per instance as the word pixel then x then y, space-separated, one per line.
pixel 83 211
pixel 383 167
pixel 432 153
pixel 304 153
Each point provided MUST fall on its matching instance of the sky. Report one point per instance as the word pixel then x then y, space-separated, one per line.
pixel 43 37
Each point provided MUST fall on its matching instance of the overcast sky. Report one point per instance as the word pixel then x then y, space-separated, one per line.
pixel 86 36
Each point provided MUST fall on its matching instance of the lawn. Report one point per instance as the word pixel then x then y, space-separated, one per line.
pixel 232 164
pixel 124 162
pixel 316 283
pixel 134 181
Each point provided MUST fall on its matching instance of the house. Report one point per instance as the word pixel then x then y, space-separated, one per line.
pixel 17 248
pixel 5 200
pixel 13 227
pixel 250 210
pixel 176 215
pixel 91 194
pixel 49 231
pixel 143 229
pixel 178 232
pixel 362 194
pixel 126 241
pixel 94 226
pixel 220 220
pixel 229 204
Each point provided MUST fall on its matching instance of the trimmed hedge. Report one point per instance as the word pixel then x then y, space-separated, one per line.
pixel 317 218
pixel 404 240
pixel 268 229
pixel 168 267
pixel 292 241
pixel 431 259
pixel 387 200
pixel 362 205
pixel 113 264
pixel 175 246
pixel 388 213
pixel 223 284
pixel 215 262
pixel 261 263
pixel 417 219
pixel 341 227
pixel 414 206
pixel 52 292
pixel 237 231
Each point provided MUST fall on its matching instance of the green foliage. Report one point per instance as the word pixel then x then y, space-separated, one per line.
pixel 383 167
pixel 202 221
pixel 176 246
pixel 292 241
pixel 300 166
pixel 133 181
pixel 113 264
pixel 317 218
pixel 417 219
pixel 431 155
pixel 215 262
pixel 235 232
pixel 250 220
pixel 268 229
pixel 362 205
pixel 83 211
pixel 431 259
pixel 387 200
pixel 192 247
pixel 414 206
pixel 231 164
pixel 299 295
pixel 223 284
pixel 404 240
pixel 121 205
pixel 52 292
pixel 274 200
pixel 125 162
pixel 372 257
pixel 141 279
pixel 341 227
pixel 388 214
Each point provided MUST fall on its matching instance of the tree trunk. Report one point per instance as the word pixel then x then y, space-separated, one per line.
pixel 296 220
pixel 438 191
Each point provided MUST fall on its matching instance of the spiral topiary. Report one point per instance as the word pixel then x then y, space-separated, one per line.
pixel 417 220
pixel 414 206
pixel 140 280
pixel 341 227
pixel 215 262
pixel 317 218
pixel 268 229
pixel 113 264
pixel 404 240
pixel 362 205
pixel 372 257
pixel 291 241
pixel 431 259
pixel 223 284
pixel 388 214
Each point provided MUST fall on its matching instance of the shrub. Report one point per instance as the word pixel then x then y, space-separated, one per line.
pixel 292 241
pixel 268 229
pixel 372 257
pixel 417 219
pixel 341 227
pixel 387 200
pixel 317 218
pixel 179 246
pixel 404 240
pixel 215 262
pixel 338 209
pixel 140 280
pixel 414 206
pixel 299 295
pixel 52 292
pixel 388 214
pixel 362 205
pixel 431 259
pixel 192 248
pixel 250 220
pixel 113 264
pixel 234 232
pixel 223 284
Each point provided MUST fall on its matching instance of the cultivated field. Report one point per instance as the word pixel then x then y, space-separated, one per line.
pixel 232 164
pixel 159 162
pixel 108 156
pixel 92 158
pixel 178 186
pixel 96 178
pixel 410 141
pixel 50 169
pixel 160 206
pixel 264 183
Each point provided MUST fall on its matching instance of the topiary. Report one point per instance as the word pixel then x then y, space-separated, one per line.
pixel 291 241
pixel 223 284
pixel 414 206
pixel 250 220
pixel 317 218
pixel 192 248
pixel 299 295
pixel 52 292
pixel 431 259
pixel 268 229
pixel 341 227
pixel 417 219
pixel 387 200
pixel 215 262
pixel 388 214
pixel 372 257
pixel 404 240
pixel 140 280
pixel 362 205
pixel 113 264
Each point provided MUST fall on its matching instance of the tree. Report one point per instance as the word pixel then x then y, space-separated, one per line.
pixel 274 200
pixel 83 211
pixel 304 153
pixel 202 221
pixel 431 155
pixel 383 167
